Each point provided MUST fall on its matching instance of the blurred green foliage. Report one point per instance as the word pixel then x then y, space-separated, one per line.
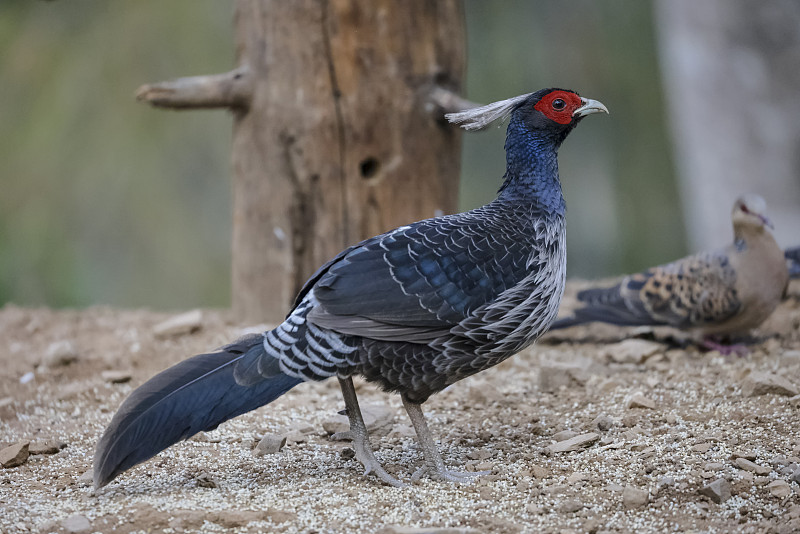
pixel 104 200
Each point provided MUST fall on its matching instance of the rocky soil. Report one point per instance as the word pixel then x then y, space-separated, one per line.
pixel 595 429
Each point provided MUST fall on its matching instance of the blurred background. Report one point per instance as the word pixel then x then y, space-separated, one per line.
pixel 105 200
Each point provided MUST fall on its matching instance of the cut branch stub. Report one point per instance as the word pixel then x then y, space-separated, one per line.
pixel 442 101
pixel 232 90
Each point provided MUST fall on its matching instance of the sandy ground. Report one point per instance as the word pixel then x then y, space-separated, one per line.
pixel 667 421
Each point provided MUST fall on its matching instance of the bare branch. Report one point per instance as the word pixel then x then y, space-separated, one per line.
pixel 441 101
pixel 232 89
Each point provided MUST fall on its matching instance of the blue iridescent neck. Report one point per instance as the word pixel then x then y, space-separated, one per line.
pixel 532 168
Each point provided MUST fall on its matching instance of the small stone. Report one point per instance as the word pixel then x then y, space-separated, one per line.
pixel 269 444
pixel 479 454
pixel 540 472
pixel 718 491
pixel 570 506
pixel 185 323
pixel 295 436
pixel 574 478
pixel 564 435
pixel 116 377
pixel 747 465
pixel 27 377
pixel 573 444
pixel 666 481
pixel 15 455
pixel 377 417
pixel 779 488
pixel 533 509
pixel 758 383
pixel 634 497
pixel 60 353
pixel 671 419
pixel 638 400
pixel 749 455
pixel 484 466
pixel 701 447
pixel 76 523
pixel 204 480
pixel 86 478
pixel 713 466
pixel 51 446
pixel 602 423
pixel 632 350
pixel 554 375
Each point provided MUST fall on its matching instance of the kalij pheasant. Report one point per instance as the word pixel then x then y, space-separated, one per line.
pixel 415 309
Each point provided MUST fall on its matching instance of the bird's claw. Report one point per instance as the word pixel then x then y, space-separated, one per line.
pixel 371 464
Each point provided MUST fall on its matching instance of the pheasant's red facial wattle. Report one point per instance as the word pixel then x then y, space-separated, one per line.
pixel 559 106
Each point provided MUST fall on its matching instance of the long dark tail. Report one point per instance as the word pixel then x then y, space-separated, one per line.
pixel 195 395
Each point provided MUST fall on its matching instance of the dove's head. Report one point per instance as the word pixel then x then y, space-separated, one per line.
pixel 750 213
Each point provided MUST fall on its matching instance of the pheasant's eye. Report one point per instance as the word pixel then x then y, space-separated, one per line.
pixel 559 104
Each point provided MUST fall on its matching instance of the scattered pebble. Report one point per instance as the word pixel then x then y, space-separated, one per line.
pixel 60 353
pixel 570 506
pixel 27 377
pixel 270 444
pixel 632 350
pixel 573 444
pixel 718 491
pixel 51 446
pixel 747 465
pixel 748 455
pixel 76 523
pixel 602 423
pixel 758 383
pixel 779 488
pixel 15 455
pixel 553 375
pixel 564 435
pixel 204 480
pixel 638 400
pixel 634 498
pixel 184 323
pixel 377 417
pixel 116 377
pixel 87 478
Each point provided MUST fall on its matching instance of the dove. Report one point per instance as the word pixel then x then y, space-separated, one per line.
pixel 719 293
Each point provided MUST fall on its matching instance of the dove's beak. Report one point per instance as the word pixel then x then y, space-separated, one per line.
pixel 588 107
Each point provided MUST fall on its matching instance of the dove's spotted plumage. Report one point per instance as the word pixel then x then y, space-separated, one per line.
pixel 723 292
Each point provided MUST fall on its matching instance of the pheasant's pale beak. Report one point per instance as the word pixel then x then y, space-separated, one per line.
pixel 589 106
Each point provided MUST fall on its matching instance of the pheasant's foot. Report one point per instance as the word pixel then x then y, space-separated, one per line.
pixel 371 464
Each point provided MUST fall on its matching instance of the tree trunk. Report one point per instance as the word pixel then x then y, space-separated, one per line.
pixel 339 131
pixel 339 142
pixel 730 71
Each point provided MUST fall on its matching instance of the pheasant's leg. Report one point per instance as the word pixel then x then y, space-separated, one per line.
pixel 358 430
pixel 434 464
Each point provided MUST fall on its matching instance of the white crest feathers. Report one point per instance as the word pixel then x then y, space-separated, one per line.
pixel 481 117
